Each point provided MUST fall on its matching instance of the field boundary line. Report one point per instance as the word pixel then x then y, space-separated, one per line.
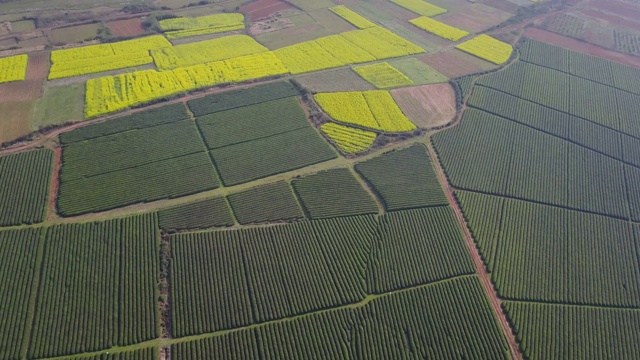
pixel 35 294
pixel 481 270
pixel 556 303
pixel 168 342
pixel 368 188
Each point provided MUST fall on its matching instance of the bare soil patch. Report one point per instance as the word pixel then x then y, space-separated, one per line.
pixel 454 63
pixel 622 8
pixel 270 24
pixel 474 18
pixel 38 66
pixel 334 80
pixel 264 8
pixel 21 90
pixel 128 27
pixel 503 5
pixel 612 19
pixel 580 46
pixel 427 106
pixel 15 120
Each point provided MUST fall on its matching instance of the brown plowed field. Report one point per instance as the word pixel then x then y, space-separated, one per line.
pixel 611 19
pixel 427 106
pixel 454 63
pixel 622 8
pixel 579 46
pixel 38 66
pixel 474 18
pixel 263 8
pixel 128 27
pixel 21 90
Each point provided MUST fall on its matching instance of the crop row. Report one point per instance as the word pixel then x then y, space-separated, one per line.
pixel 351 16
pixel 523 243
pixel 487 48
pixel 383 75
pixel 141 354
pixel 207 51
pixel 259 274
pixel 347 139
pixel 14 68
pixel 103 57
pixel 333 193
pixel 375 110
pixel 490 154
pixel 547 331
pixel 209 24
pixel 420 7
pixel 24 186
pixel 404 179
pixel 200 214
pixel 267 203
pixel 440 29
pixel 376 330
pixel 98 287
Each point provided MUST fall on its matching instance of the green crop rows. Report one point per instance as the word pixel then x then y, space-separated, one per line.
pixel 98 287
pixel 241 98
pixel 411 324
pixel 200 214
pixel 266 203
pixel 404 179
pixel 333 193
pixel 25 179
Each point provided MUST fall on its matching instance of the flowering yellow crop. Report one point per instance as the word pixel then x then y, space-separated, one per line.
pixel 440 29
pixel 387 113
pixel 487 48
pixel 209 24
pixel 381 43
pixel 347 107
pixel 113 93
pixel 420 7
pixel 348 139
pixel 343 50
pixel 202 52
pixel 307 56
pixel 103 57
pixel 354 18
pixel 14 68
pixel 370 109
pixel 383 75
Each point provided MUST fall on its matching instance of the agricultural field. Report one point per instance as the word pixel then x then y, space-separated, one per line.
pixel 329 179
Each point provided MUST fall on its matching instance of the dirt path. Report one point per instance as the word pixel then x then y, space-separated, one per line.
pixel 55 181
pixel 481 270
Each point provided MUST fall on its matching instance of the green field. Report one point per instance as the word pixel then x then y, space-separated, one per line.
pixel 59 104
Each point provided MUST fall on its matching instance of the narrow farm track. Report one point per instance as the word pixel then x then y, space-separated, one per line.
pixel 496 302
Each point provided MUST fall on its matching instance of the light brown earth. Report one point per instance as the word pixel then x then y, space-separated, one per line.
pixel 454 63
pixel 38 66
pixel 263 8
pixel 334 80
pixel 580 46
pixel 128 27
pixel 427 106
pixel 15 119
pixel 474 17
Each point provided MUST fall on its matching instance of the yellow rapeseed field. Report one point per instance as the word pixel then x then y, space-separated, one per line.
pixel 14 68
pixel 370 109
pixel 209 24
pixel 487 48
pixel 351 16
pixel 420 7
pixel 104 57
pixel 383 75
pixel 113 93
pixel 306 57
pixel 381 43
pixel 343 50
pixel 440 29
pixel 348 139
pixel 387 113
pixel 202 52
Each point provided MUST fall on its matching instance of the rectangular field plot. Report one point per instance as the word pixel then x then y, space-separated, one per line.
pixel 140 120
pixel 272 155
pixel 549 254
pixel 199 214
pixel 547 331
pixel 333 193
pixel 19 254
pixel 134 166
pixel 273 202
pixel 375 330
pixel 417 247
pixel 267 273
pixel 98 287
pixel 252 122
pixel 239 98
pixel 25 179
pixel 404 179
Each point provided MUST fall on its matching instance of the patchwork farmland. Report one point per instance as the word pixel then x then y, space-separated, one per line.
pixel 297 179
